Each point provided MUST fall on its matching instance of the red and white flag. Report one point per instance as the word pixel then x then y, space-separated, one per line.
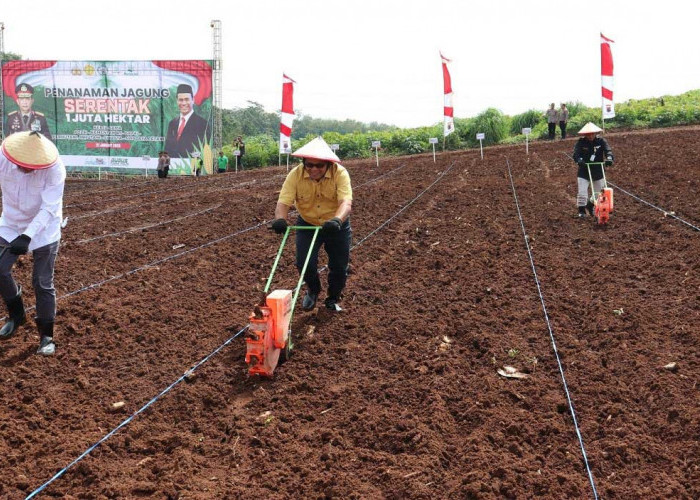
pixel 606 76
pixel 287 115
pixel 449 122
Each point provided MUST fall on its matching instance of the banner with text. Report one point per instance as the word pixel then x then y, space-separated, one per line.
pixel 115 115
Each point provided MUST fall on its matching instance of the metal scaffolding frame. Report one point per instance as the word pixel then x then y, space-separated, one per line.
pixel 217 105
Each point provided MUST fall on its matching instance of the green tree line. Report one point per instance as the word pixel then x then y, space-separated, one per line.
pixel 355 138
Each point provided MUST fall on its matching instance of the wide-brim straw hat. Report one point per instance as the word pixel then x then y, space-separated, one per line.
pixel 317 149
pixel 30 150
pixel 590 128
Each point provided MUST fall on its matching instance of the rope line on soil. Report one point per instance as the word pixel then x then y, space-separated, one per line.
pixel 130 207
pixel 185 252
pixel 184 376
pixel 150 225
pixel 666 212
pixel 551 335
pixel 215 351
pixel 404 207
pixel 197 183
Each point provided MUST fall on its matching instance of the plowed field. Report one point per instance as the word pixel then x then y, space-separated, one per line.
pixel 398 396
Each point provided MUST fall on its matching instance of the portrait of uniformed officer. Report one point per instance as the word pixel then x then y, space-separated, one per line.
pixel 26 119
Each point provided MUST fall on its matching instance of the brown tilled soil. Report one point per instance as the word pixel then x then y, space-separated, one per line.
pixel 398 396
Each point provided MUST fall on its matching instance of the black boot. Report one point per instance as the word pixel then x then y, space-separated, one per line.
pixel 15 308
pixel 46 345
pixel 332 303
pixel 309 301
pixel 589 207
pixel 581 211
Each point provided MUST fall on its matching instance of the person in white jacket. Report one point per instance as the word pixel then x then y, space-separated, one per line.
pixel 32 178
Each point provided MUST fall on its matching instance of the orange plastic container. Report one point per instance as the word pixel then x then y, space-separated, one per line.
pixel 602 207
pixel 608 192
pixel 261 354
pixel 280 304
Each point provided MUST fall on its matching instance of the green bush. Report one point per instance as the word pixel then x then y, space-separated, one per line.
pixel 528 119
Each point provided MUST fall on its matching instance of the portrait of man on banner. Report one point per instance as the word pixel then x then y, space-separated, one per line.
pixel 188 130
pixel 26 119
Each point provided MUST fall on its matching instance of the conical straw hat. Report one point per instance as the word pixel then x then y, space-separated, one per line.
pixel 30 150
pixel 590 128
pixel 317 150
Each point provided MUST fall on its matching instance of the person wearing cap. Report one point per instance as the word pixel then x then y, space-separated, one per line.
pixel 563 119
pixel 321 191
pixel 552 119
pixel 163 164
pixel 594 150
pixel 240 146
pixel 188 130
pixel 32 177
pixel 26 119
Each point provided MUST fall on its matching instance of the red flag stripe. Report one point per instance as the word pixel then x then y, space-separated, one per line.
pixel 449 112
pixel 607 93
pixel 285 130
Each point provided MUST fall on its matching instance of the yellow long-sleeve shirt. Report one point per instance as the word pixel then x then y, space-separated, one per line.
pixel 316 201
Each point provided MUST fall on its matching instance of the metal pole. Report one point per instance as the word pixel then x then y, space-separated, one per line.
pixel 434 153
pixel 481 148
pixel 527 150
pixel 376 153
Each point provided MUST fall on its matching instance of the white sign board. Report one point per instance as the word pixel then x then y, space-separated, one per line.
pixel 237 152
pixel 480 136
pixel 195 154
pixel 527 131
pixel 335 147
pixel 433 140
pixel 146 158
pixel 376 144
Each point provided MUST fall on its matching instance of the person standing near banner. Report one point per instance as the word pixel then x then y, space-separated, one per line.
pixel 240 146
pixel 321 190
pixel 188 130
pixel 563 119
pixel 222 162
pixel 26 119
pixel 590 149
pixel 163 164
pixel 32 177
pixel 552 119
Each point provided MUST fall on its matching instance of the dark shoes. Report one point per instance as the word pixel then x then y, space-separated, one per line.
pixel 581 212
pixel 332 304
pixel 309 301
pixel 589 207
pixel 17 317
pixel 46 345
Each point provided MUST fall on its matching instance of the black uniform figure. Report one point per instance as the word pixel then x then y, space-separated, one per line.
pixel 26 119
pixel 188 130
pixel 590 149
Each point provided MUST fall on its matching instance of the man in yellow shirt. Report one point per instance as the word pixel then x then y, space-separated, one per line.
pixel 321 191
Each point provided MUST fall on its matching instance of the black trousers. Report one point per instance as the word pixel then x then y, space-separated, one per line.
pixel 562 127
pixel 337 247
pixel 552 130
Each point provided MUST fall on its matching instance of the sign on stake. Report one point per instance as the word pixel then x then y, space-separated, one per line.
pixel 376 145
pixel 236 154
pixel 527 132
pixel 433 141
pixel 481 136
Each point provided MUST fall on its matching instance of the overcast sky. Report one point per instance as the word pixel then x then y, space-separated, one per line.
pixel 377 60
